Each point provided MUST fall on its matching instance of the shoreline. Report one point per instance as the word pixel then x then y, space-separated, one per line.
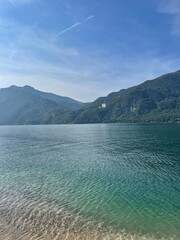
pixel 10 234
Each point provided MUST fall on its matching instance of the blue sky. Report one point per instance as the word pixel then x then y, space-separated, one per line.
pixel 86 49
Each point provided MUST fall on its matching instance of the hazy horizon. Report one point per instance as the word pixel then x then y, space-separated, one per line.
pixel 86 50
pixel 46 91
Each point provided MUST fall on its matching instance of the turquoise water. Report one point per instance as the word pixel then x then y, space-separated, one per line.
pixel 101 181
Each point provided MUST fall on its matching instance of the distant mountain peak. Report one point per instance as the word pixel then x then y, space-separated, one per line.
pixel 27 105
pixel 27 86
pixel 13 86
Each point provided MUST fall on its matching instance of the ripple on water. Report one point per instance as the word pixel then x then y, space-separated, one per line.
pixel 89 182
pixel 25 219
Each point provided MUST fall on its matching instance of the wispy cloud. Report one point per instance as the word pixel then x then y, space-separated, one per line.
pixel 34 58
pixel 31 53
pixel 74 25
pixel 83 76
pixel 172 8
pixel 17 2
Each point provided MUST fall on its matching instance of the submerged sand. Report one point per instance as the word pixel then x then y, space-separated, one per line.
pixel 36 220
pixel 83 234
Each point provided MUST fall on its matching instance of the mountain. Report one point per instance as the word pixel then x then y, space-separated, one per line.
pixel 155 100
pixel 63 101
pixel 26 105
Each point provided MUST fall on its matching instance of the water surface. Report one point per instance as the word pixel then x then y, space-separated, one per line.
pixel 101 181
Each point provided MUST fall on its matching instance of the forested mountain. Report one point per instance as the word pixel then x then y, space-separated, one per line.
pixel 26 105
pixel 155 100
pixel 63 101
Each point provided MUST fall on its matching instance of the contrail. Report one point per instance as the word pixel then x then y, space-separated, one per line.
pixel 69 28
pixel 88 18
pixel 74 25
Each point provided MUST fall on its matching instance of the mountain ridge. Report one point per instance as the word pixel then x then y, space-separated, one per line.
pixel 156 100
pixel 21 106
pixel 62 100
pixel 138 103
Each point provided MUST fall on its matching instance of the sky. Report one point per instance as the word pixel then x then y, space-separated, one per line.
pixel 87 49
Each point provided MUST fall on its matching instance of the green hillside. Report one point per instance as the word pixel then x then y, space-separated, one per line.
pixel 29 106
pixel 155 100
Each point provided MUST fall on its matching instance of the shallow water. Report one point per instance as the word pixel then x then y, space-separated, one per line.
pixel 101 181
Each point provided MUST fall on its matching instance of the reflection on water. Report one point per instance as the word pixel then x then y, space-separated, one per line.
pixel 101 181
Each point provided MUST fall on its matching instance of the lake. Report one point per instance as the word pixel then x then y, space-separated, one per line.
pixel 96 181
